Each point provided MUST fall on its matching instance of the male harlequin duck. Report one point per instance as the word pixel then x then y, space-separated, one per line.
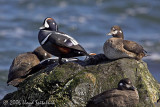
pixel 57 43
pixel 125 95
pixel 23 63
pixel 116 47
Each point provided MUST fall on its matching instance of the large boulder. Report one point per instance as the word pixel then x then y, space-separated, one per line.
pixel 72 85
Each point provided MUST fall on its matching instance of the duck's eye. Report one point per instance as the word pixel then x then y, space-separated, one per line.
pixel 114 29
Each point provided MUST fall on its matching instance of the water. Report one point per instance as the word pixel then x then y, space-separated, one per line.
pixel 87 21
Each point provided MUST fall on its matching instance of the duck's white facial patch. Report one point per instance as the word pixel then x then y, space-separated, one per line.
pixel 121 84
pixel 45 39
pixel 56 28
pixel 115 32
pixel 120 31
pixel 128 86
pixel 46 25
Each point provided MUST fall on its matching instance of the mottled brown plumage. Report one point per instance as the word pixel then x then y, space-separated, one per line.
pixel 23 63
pixel 116 47
pixel 123 96
pixel 41 53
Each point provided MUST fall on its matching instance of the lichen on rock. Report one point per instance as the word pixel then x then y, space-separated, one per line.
pixel 72 85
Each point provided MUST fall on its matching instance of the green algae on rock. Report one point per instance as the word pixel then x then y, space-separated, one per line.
pixel 72 85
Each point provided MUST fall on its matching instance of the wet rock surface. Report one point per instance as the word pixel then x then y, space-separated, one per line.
pixel 74 83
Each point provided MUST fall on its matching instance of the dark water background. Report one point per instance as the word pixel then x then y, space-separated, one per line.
pixel 86 20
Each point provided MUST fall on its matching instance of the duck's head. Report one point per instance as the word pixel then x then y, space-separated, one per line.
pixel 116 31
pixel 49 24
pixel 126 84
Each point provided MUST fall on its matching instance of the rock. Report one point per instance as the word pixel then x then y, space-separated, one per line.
pixel 72 85
pixel 20 65
pixel 24 63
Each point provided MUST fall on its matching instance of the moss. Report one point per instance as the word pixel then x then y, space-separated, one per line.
pixel 146 85
pixel 72 85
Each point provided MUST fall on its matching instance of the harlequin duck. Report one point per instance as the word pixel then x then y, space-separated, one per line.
pixel 116 47
pixel 57 43
pixel 23 63
pixel 41 53
pixel 125 95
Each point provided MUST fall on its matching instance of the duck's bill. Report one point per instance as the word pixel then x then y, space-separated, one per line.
pixel 109 34
pixel 42 27
pixel 133 88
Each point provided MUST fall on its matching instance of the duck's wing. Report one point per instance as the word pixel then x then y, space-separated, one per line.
pixel 63 40
pixel 104 96
pixel 133 47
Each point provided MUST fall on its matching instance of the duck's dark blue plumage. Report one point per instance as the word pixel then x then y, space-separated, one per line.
pixel 58 43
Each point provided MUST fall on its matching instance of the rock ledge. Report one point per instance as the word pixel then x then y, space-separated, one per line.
pixel 73 85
